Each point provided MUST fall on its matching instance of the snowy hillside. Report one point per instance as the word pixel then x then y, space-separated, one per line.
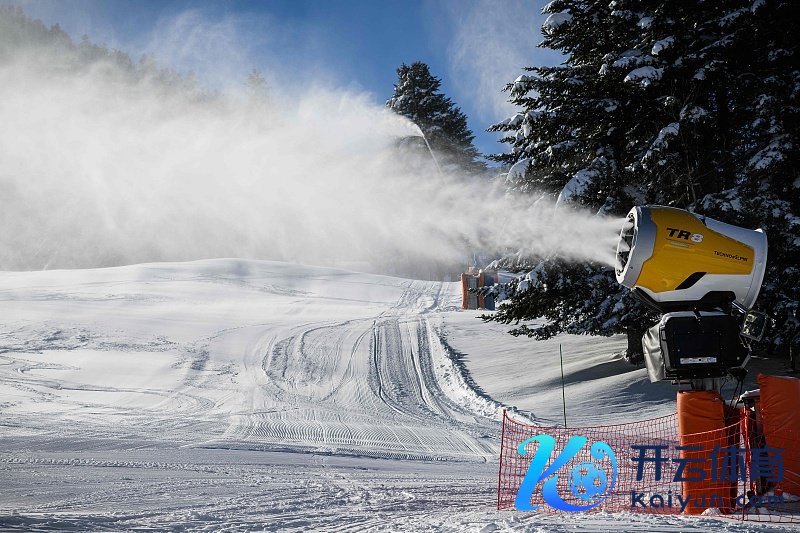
pixel 600 386
pixel 231 394
pixel 241 354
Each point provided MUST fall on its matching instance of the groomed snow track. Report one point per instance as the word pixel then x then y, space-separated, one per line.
pixel 298 359
pixel 362 387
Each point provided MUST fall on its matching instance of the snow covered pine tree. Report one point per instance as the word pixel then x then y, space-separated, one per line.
pixel 685 104
pixel 764 90
pixel 569 143
pixel 417 97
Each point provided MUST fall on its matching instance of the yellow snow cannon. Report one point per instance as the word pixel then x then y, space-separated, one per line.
pixel 675 260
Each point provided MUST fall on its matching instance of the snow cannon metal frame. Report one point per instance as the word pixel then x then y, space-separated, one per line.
pixel 703 276
pixel 675 260
pixel 686 346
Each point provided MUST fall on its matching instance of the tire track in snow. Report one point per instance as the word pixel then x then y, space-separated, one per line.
pixel 363 386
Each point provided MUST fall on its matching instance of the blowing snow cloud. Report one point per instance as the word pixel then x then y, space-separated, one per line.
pixel 100 167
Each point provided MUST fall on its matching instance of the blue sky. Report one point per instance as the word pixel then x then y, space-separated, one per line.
pixel 474 46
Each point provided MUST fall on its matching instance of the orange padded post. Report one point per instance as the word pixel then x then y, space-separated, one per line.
pixel 464 292
pixel 481 283
pixel 780 413
pixel 701 422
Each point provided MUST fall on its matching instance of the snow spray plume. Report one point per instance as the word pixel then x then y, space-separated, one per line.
pixel 100 168
pixel 489 48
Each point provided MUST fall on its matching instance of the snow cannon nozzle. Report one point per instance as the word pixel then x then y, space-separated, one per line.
pixel 677 260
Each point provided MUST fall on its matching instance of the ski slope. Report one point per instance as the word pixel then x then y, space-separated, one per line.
pixel 247 355
pixel 240 395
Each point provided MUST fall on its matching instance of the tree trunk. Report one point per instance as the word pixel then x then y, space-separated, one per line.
pixel 634 354
pixel 794 354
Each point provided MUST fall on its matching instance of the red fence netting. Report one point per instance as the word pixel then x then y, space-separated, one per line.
pixel 656 470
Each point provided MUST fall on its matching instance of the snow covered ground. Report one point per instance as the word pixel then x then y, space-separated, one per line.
pixel 240 395
pixel 600 386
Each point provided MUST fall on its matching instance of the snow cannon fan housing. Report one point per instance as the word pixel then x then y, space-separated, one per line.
pixel 675 260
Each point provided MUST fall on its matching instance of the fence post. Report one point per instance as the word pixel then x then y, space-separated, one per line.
pixel 500 465
pixel 563 394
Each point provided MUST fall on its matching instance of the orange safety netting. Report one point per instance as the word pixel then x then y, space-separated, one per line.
pixel 728 469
